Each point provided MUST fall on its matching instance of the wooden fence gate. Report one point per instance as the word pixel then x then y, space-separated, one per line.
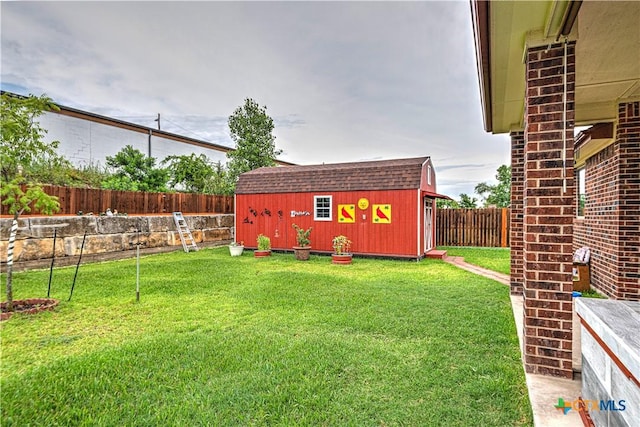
pixel 473 227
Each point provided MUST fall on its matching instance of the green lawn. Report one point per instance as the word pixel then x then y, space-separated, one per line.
pixel 496 259
pixel 217 340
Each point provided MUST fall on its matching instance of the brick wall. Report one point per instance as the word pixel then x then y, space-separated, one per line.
pixel 628 138
pixel 600 218
pixel 517 199
pixel 611 225
pixel 549 191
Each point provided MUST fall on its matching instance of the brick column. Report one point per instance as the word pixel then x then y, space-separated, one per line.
pixel 549 191
pixel 517 198
pixel 628 256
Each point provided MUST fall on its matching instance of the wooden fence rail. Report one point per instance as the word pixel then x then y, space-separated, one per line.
pixel 454 227
pixel 473 227
pixel 73 200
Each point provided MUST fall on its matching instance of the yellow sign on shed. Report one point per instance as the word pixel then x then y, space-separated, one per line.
pixel 346 214
pixel 381 214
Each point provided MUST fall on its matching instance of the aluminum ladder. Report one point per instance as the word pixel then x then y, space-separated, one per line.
pixel 185 234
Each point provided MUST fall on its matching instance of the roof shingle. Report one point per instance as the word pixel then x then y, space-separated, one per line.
pixel 395 174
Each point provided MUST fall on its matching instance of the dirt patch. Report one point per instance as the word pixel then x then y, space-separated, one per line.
pixel 28 306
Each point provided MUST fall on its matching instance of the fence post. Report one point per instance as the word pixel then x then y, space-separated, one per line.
pixel 74 199
pixel 504 232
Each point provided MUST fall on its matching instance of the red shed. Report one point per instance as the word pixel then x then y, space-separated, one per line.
pixel 386 208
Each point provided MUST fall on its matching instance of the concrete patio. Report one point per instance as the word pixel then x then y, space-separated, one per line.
pixel 544 391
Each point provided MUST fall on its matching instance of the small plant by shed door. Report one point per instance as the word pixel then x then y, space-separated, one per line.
pixel 428 225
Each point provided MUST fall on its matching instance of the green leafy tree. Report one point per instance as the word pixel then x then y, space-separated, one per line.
pixel 134 171
pixel 60 171
pixel 499 194
pixel 90 175
pixel 447 204
pixel 252 131
pixel 189 172
pixel 52 170
pixel 467 202
pixel 21 145
pixel 219 181
pixel 22 136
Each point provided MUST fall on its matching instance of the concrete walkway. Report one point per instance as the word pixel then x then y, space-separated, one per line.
pixel 458 261
pixel 543 391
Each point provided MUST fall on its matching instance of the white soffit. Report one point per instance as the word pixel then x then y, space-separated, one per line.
pixel 607 59
pixel 607 56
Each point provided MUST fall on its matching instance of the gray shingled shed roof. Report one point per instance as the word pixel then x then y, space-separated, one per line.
pixel 396 174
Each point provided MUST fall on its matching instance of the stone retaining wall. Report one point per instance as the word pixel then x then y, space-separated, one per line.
pixel 106 234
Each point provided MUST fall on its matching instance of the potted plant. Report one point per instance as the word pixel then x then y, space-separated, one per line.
pixel 341 247
pixel 235 248
pixel 304 244
pixel 264 246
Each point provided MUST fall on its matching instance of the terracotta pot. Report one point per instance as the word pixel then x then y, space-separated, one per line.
pixel 341 259
pixel 302 252
pixel 261 254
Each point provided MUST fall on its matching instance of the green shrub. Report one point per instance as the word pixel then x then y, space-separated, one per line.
pixel 302 235
pixel 264 243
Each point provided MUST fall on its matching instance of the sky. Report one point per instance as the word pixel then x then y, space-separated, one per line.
pixel 343 81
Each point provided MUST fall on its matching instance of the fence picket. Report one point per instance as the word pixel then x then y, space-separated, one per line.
pixel 75 199
pixel 473 227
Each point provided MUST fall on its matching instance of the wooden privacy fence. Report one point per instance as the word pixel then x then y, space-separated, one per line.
pixel 73 200
pixel 473 227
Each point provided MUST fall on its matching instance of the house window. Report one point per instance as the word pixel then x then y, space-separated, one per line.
pixel 582 193
pixel 322 208
pixel 429 175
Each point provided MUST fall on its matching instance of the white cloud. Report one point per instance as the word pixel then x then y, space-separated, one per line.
pixel 343 81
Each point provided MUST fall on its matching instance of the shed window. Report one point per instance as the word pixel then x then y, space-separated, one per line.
pixel 428 174
pixel 322 208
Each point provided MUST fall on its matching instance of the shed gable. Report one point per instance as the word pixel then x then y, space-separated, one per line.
pixel 399 174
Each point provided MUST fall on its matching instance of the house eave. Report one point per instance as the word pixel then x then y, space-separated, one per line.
pixel 606 70
pixel 480 20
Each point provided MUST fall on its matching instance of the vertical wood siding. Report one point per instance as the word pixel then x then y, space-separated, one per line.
pixel 270 214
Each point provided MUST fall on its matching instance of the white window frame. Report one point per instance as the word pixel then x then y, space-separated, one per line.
pixel 316 209
pixel 581 189
pixel 428 174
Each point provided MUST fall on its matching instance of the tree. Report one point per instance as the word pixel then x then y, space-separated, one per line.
pixel 251 130
pixel 498 195
pixel 134 171
pixel 21 145
pixel 59 171
pixel 219 181
pixel 468 202
pixel 189 172
pixel 447 204
pixel 22 136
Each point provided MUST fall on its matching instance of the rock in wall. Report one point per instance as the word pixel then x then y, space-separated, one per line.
pixel 106 234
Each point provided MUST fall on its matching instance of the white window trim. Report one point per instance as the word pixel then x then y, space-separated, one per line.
pixel 315 208
pixel 580 182
pixel 429 175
